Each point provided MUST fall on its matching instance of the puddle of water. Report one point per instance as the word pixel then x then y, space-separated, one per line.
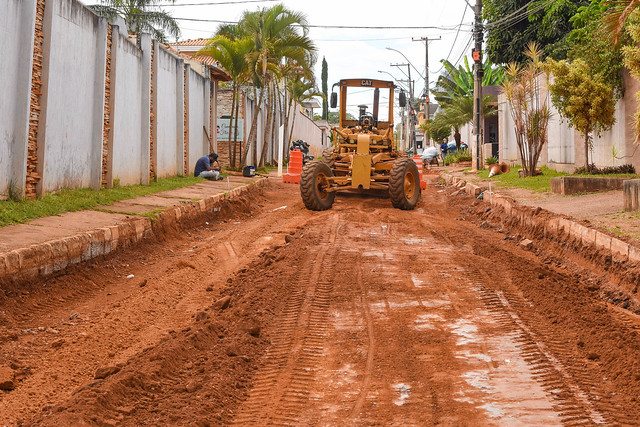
pixel 427 321
pixel 404 390
pixel 494 412
pixel 479 380
pixel 466 331
pixel 417 282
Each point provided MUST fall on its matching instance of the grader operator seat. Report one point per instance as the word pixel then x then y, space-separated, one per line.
pixel 366 120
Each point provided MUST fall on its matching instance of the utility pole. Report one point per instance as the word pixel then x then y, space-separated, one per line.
pixel 427 98
pixel 477 86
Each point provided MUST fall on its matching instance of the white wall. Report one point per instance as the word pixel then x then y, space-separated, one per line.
pixel 169 113
pixel 71 122
pixel 127 123
pixel 17 21
pixel 306 129
pixel 198 117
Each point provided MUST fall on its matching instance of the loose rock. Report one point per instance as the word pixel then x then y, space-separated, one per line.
pixel 222 303
pixel 6 378
pixel 526 244
pixel 105 372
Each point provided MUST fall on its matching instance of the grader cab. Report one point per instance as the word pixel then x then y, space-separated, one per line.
pixel 364 156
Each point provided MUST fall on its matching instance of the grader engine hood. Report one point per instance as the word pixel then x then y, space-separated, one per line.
pixel 361 166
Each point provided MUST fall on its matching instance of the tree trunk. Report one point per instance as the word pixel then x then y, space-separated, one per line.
pixel 457 137
pixel 586 151
pixel 293 122
pixel 235 130
pixel 231 153
pixel 252 132
pixel 267 128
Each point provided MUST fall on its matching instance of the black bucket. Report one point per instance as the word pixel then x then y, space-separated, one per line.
pixel 249 171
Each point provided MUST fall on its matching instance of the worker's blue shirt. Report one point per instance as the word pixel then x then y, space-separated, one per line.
pixel 201 165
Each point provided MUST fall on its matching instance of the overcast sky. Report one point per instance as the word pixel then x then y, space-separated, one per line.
pixel 358 52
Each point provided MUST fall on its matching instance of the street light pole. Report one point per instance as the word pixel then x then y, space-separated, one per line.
pixel 477 82
pixel 427 98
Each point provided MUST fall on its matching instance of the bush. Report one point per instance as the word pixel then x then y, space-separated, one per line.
pixel 608 170
pixel 491 160
pixel 463 155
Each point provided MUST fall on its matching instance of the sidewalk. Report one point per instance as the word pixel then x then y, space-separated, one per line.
pixel 48 244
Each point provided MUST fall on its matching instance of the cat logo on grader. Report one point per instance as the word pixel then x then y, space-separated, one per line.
pixel 364 156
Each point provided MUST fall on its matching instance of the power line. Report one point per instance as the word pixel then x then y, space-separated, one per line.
pixel 352 27
pixel 510 20
pixel 219 3
pixel 464 12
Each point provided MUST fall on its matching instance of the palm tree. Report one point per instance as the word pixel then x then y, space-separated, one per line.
pixel 278 43
pixel 231 54
pixel 301 90
pixel 140 16
pixel 459 81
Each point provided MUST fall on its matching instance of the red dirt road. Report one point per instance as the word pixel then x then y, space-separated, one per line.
pixel 360 315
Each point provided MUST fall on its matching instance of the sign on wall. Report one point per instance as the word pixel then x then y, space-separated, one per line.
pixel 224 129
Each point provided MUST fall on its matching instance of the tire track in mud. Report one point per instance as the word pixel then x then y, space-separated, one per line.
pixel 366 315
pixel 575 391
pixel 281 390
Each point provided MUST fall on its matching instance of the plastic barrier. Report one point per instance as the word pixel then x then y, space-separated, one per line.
pixel 294 169
pixel 418 160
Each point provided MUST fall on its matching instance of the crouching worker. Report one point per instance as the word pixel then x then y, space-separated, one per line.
pixel 205 168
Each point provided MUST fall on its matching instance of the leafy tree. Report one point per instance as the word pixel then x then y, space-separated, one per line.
pixel 454 92
pixel 459 81
pixel 582 98
pixel 591 42
pixel 325 89
pixel 141 16
pixel 632 57
pixel 529 108
pixel 513 24
pixel 281 43
pixel 436 130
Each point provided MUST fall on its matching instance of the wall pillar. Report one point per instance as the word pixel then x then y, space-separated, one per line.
pixel 145 105
pixel 187 127
pixel 180 110
pixel 98 104
pixel 115 41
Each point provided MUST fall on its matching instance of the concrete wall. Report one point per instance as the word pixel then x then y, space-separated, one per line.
pixel 198 103
pixel 129 118
pixel 70 128
pixel 565 148
pixel 17 22
pixel 169 93
pixel 306 129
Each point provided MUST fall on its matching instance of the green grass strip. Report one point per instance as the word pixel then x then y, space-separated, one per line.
pixel 12 212
pixel 538 184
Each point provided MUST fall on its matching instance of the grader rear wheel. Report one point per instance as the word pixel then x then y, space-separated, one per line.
pixel 313 185
pixel 404 184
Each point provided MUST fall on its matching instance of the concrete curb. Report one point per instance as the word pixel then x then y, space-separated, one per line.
pixel 620 250
pixel 46 258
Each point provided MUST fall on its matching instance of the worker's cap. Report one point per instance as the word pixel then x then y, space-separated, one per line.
pixel 214 156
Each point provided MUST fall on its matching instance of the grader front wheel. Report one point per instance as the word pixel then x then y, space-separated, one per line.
pixel 314 184
pixel 404 184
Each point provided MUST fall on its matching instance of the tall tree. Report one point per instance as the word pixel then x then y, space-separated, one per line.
pixel 583 98
pixel 324 76
pixel 513 24
pixel 280 40
pixel 528 106
pixel 141 16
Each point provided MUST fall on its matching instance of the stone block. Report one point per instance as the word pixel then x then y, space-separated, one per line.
pixel 576 184
pixel 564 225
pixel 96 242
pixel 85 241
pixel 631 194
pixel 619 248
pixel 202 204
pixel 59 255
pixel 634 253
pixel 603 241
pixel 589 236
pixel 115 237
pixel 12 263
pixel 74 249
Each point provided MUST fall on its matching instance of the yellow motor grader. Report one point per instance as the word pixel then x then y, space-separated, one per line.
pixel 364 156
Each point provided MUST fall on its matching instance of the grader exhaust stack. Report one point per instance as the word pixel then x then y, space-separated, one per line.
pixel 364 156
